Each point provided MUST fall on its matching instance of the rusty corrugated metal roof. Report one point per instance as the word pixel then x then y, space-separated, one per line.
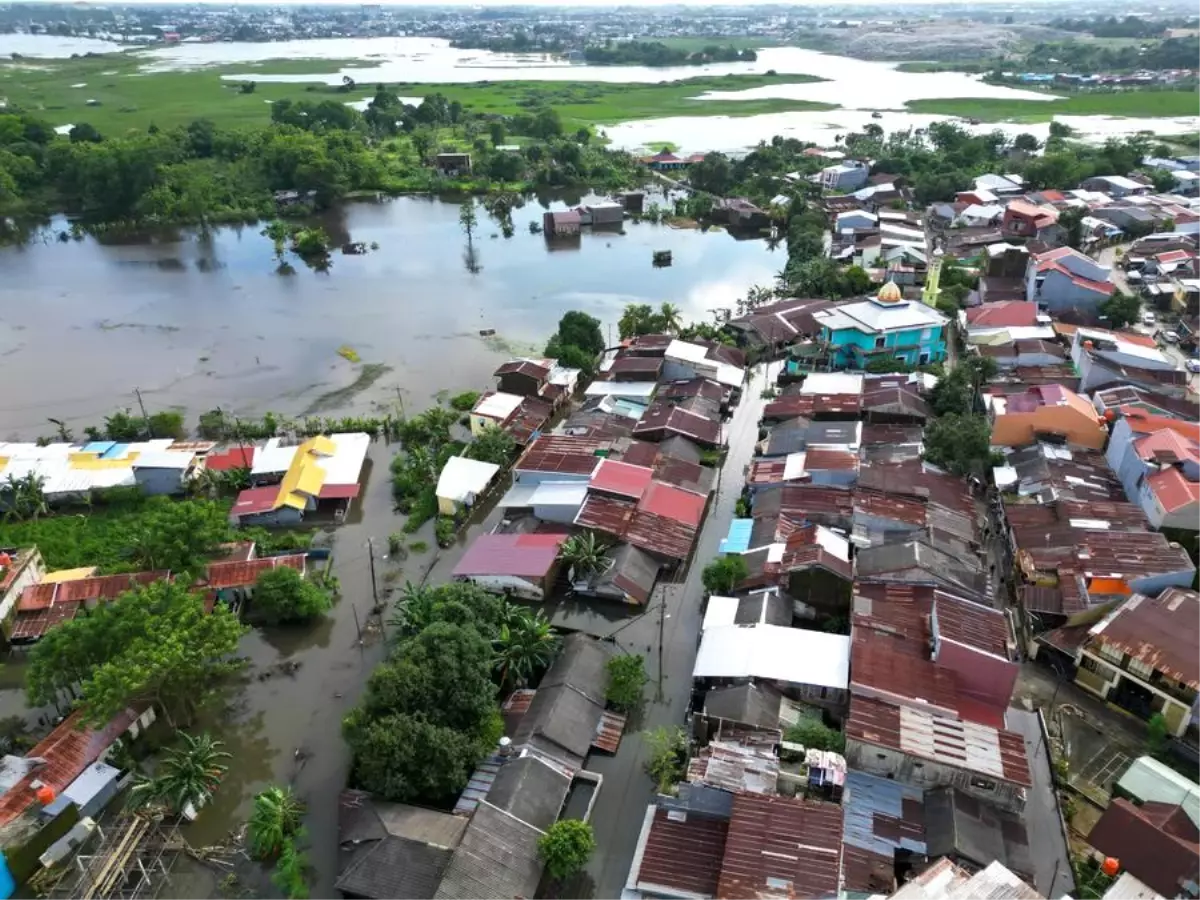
pixel 1162 633
pixel 609 731
pixel 683 852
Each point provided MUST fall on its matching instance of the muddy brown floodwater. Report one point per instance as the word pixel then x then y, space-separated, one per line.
pixel 200 321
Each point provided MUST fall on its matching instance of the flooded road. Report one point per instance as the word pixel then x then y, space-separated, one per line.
pixel 200 321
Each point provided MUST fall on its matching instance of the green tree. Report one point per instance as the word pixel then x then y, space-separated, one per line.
pixel 570 357
pixel 566 847
pixel 959 443
pixel 626 681
pixel 578 329
pixel 156 644
pixel 282 594
pixel 1071 222
pixel 669 318
pixel 24 498
pixel 290 875
pixel 278 232
pixel 668 750
pixel 496 133
pixel 525 644
pixel 1156 734
pixel 178 535
pixel 584 553
pixel 1026 143
pixel 85 133
pixel 812 733
pixel 713 174
pixel 724 573
pixel 1121 309
pixel 494 445
pixel 186 778
pixel 636 319
pixel 274 822
pixel 403 757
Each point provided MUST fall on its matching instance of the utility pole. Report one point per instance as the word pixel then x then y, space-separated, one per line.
pixel 371 559
pixel 138 393
pixel 662 617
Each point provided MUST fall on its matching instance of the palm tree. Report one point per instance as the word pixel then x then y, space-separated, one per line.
pixel 276 818
pixel 64 433
pixel 584 553
pixel 670 317
pixel 414 610
pixel 523 646
pixel 187 776
pixel 24 498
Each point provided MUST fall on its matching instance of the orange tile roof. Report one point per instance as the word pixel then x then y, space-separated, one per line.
pixel 1143 422
pixel 1173 490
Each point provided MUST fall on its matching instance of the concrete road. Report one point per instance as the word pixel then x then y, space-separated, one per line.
pixel 621 804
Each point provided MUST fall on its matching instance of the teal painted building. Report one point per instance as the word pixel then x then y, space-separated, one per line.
pixel 885 325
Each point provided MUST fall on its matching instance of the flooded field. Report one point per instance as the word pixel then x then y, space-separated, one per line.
pixel 198 321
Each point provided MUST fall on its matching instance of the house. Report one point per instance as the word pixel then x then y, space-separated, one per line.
pixel 664 161
pixel 231 582
pixel 164 471
pixel 845 176
pixel 50 603
pixel 543 378
pixel 928 749
pixel 665 420
pixel 974 835
pixel 19 569
pixel 885 325
pixel 1116 186
pixel 294 480
pixel 1047 472
pixel 461 482
pixel 626 503
pixel 521 564
pixel 1106 358
pixel 917 562
pixel 453 164
pixel 992 316
pixel 496 857
pixel 1022 219
pixel 1019 420
pixel 391 850
pixel 1065 281
pixel 1149 781
pixel 562 223
pixel 738 212
pixel 884 826
pixel 811 666
pixel 977 214
pixel 1000 185
pixel 522 417
pixel 1157 843
pixel 1143 657
pixel 627 575
pixel 683 360
pixel 855 219
pixel 945 879
pixel 977 197
pixel 560 457
pixel 1157 460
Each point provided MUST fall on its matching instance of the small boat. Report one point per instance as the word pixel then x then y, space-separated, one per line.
pixel 662 258
pixel 487 332
pixel 876 115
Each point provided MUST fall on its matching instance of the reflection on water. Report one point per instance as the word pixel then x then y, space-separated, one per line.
pixel 200 323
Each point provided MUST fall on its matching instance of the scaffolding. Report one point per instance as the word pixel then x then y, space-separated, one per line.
pixel 132 860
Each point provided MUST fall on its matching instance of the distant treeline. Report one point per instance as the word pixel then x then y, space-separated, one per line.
pixel 1128 27
pixel 655 53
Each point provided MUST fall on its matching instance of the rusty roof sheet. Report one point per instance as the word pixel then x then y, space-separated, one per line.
pixel 789 406
pixel 913 478
pixel 830 460
pixel 658 534
pixel 781 847
pixel 904 401
pixel 665 417
pixel 100 587
pixel 637 365
pixel 909 510
pixel 530 417
pixel 67 750
pixel 874 433
pixel 561 453
pixel 522 367
pixel 683 852
pixel 245 573
pixel 683 474
pixel 881 817
pixel 640 453
pixel 896 669
pixel 606 514
pixel 705 388
pixel 29 626
pixel 1161 632
pixel 608 731
pixel 735 767
pixel 970 746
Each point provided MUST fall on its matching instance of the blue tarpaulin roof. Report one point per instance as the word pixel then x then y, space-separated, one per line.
pixel 738 538
pixel 116 451
pixel 98 447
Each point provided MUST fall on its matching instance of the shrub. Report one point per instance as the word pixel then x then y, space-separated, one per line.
pixel 464 402
pixel 724 573
pixel 668 749
pixel 566 847
pixel 813 733
pixel 283 595
pixel 444 530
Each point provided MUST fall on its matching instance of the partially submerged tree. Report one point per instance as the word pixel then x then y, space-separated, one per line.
pixel 724 573
pixel 275 821
pixel 566 847
pixel 525 644
pixel 584 553
pixel 626 681
pixel 282 594
pixel 186 778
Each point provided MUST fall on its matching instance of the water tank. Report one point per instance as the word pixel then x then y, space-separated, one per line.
pixel 505 746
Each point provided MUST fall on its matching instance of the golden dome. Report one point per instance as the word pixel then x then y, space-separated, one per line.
pixel 890 293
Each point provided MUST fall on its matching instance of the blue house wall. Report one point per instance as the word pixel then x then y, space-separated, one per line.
pixel 915 346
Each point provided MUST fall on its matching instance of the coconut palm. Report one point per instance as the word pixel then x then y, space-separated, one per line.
pixel 414 610
pixel 523 646
pixel 187 776
pixel 24 498
pixel 670 316
pixel 276 818
pixel 583 552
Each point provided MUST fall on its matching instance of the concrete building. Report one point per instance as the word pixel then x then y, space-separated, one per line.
pixel 885 325
pixel 846 176
pixel 1066 281
pixel 1047 410
pixel 1157 460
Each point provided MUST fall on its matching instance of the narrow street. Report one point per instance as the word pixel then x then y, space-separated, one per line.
pixel 621 805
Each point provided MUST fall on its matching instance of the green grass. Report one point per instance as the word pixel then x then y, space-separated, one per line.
pixel 1133 104
pixel 131 99
pixel 692 44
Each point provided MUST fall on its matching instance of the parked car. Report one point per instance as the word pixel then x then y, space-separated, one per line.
pixel 1192 365
pixel 1148 318
pixel 1171 337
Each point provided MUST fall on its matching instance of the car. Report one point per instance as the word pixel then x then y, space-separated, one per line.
pixel 1171 337
pixel 1192 365
pixel 1148 318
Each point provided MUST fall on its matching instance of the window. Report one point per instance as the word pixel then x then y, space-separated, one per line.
pixel 983 784
pixel 881 756
pixel 1140 669
pixel 926 334
pixel 879 342
pixel 1094 665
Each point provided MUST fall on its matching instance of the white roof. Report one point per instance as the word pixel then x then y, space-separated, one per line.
pixel 547 493
pixel 832 383
pixel 730 375
pixel 1128 887
pixel 857 213
pixel 720 612
pixel 273 456
pixel 1187 176
pixel 975 211
pixel 793 466
pixel 687 351
pixel 164 459
pixel 1124 347
pixel 1120 181
pixel 1001 183
pixel 833 543
pixel 634 389
pixel 464 479
pixel 775 653
pixel 498 406
pixel 956 742
pixel 984 195
pixel 906 232
pixel 345 466
pixel 1006 334
pixel 870 317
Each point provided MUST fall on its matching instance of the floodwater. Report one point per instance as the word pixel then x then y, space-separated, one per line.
pixel 48 46
pixel 201 321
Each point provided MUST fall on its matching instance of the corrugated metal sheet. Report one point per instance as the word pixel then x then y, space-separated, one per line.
pixel 683 852
pixel 478 785
pixel 606 514
pixel 609 732
pixel 737 539
pixel 674 503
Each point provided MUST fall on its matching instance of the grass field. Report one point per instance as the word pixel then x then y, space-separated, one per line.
pixel 1132 104
pixel 691 44
pixel 129 98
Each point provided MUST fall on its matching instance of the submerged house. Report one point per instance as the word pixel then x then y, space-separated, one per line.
pixel 524 565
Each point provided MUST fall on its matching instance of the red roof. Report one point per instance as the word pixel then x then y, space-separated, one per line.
pixel 1161 632
pixel 621 478
pixel 1143 422
pixel 1156 843
pixel 237 457
pixel 831 460
pixel 673 503
pixel 255 500
pixel 894 668
pixel 238 573
pixel 565 454
pixel 781 847
pixel 1040 217
pixel 67 750
pixel 339 491
pixel 1004 314
pixel 520 555
pixel 100 587
pixel 1101 287
pixel 1172 489
pixel 29 626
pixel 606 514
pixel 1173 256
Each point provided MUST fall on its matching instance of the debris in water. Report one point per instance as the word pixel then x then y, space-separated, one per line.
pixel 348 353
pixel 486 332
pixel 662 258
